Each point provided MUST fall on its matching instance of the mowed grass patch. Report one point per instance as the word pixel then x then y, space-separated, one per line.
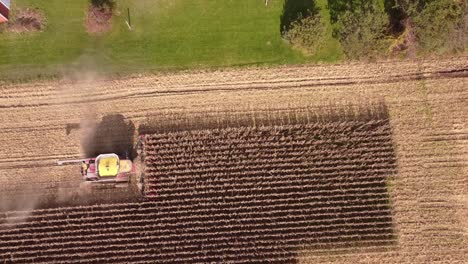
pixel 166 35
pixel 199 33
pixel 43 53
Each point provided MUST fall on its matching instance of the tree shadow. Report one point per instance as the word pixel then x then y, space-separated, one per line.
pixel 114 134
pixel 396 16
pixel 294 10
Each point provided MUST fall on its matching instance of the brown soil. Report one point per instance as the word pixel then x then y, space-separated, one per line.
pixel 26 20
pixel 98 19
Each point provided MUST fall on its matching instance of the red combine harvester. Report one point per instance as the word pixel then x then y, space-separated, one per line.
pixel 105 168
pixel 110 169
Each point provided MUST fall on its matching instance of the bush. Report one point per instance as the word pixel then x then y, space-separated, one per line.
pixel 437 23
pixel 103 3
pixel 295 10
pixel 363 31
pixel 459 36
pixel 307 34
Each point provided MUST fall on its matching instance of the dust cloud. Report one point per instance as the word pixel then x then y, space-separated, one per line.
pixel 17 209
pixel 79 85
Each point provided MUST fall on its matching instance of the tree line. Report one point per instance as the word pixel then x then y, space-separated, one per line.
pixel 375 28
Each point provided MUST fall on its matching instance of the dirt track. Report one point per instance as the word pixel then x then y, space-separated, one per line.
pixel 428 105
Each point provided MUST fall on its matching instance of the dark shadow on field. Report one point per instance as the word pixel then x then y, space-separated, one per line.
pixel 224 203
pixel 166 122
pixel 114 134
pixel 294 10
pixel 72 126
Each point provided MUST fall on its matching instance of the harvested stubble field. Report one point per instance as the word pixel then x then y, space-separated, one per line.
pixel 400 190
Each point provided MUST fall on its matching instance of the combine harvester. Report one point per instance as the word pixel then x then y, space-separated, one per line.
pixel 110 170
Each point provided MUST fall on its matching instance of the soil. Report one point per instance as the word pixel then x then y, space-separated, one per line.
pixel 98 19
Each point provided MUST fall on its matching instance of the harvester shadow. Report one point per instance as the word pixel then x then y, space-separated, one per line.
pixel 72 126
pixel 114 134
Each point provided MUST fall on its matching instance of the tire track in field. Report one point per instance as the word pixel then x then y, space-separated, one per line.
pixel 259 86
pixel 139 115
pixel 8 128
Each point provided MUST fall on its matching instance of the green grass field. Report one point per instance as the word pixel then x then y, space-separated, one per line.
pixel 167 34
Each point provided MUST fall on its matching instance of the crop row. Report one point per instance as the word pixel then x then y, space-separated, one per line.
pixel 194 233
pixel 262 143
pixel 289 178
pixel 337 150
pixel 317 127
pixel 152 252
pixel 309 198
pixel 217 210
pixel 259 158
pixel 310 139
pixel 140 223
pixel 258 166
pixel 322 211
pixel 242 148
pixel 115 226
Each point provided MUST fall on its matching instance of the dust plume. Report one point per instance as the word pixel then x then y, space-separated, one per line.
pixel 88 126
pixel 80 84
pixel 17 209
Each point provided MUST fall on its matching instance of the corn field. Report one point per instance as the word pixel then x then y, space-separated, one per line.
pixel 283 165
